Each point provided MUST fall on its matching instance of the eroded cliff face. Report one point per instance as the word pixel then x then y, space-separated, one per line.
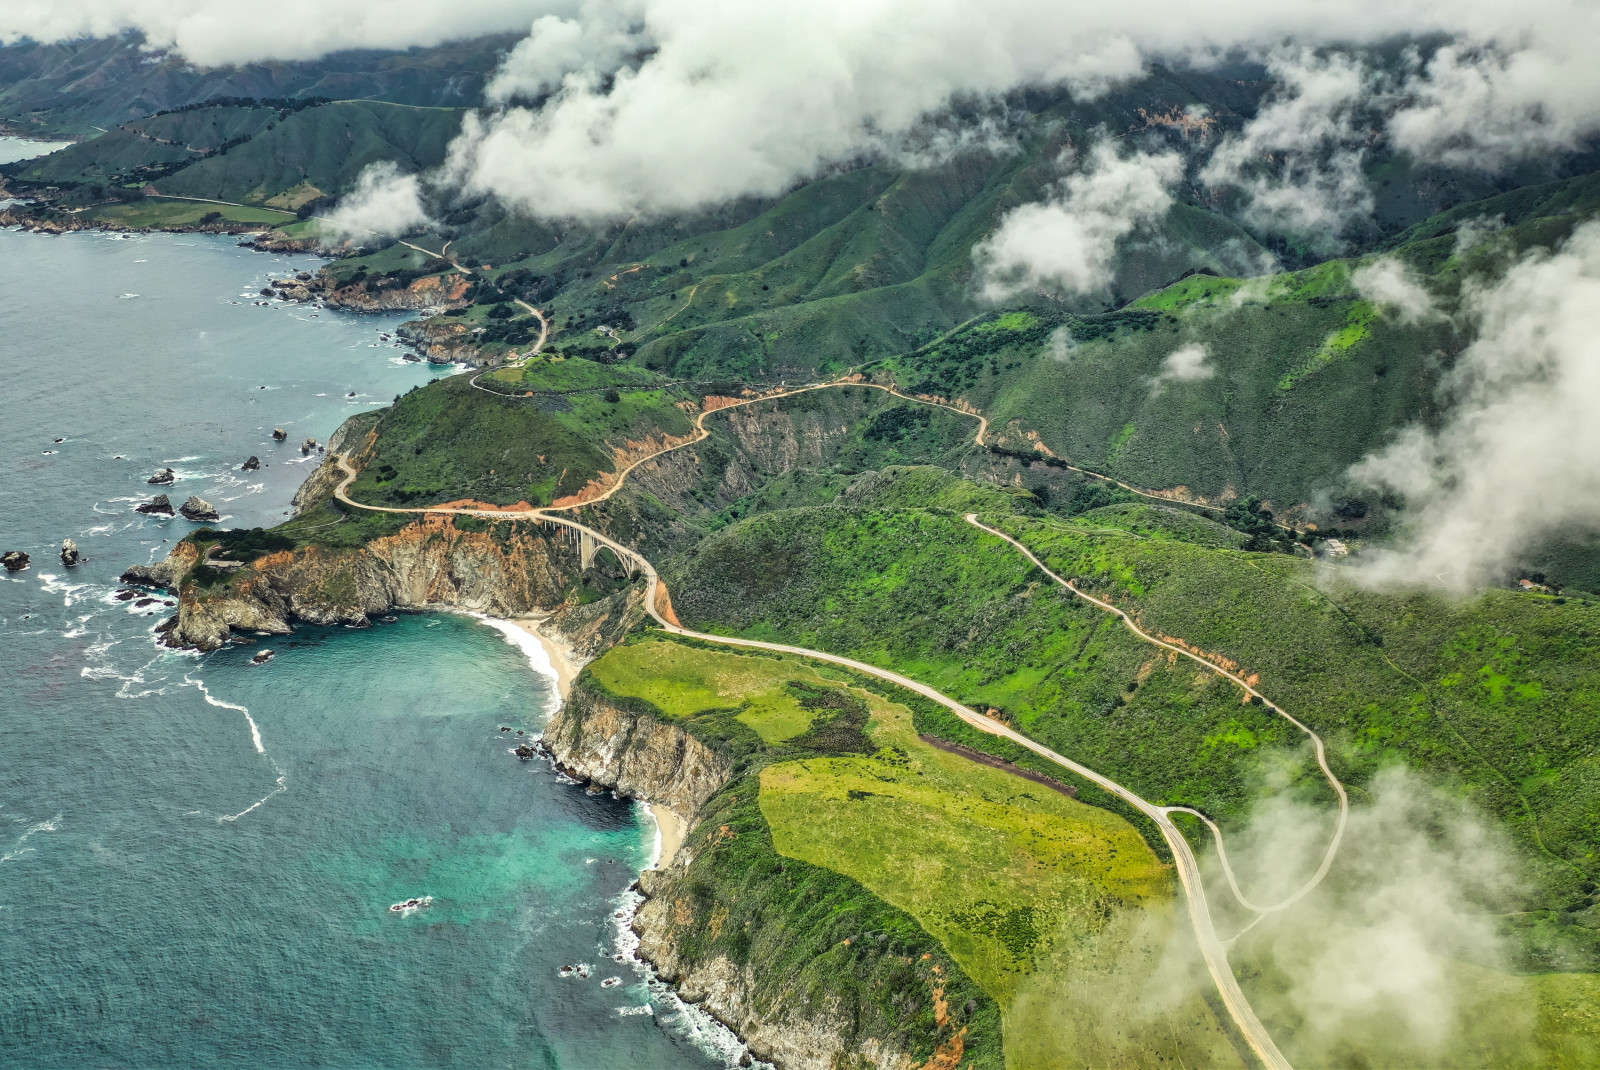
pixel 442 340
pixel 427 564
pixel 434 291
pixel 624 745
pixel 619 745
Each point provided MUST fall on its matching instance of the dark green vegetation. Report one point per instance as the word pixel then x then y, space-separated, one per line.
pixel 319 151
pixel 1489 699
pixel 451 441
pixel 812 932
pixel 277 153
pixel 78 88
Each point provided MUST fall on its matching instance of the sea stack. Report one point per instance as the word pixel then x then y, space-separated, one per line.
pixel 14 560
pixel 69 552
pixel 308 445
pixel 251 465
pixel 279 434
pixel 160 505
pixel 162 478
pixel 197 508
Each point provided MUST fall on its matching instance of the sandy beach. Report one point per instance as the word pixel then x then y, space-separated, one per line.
pixel 669 826
pixel 669 829
pixel 562 658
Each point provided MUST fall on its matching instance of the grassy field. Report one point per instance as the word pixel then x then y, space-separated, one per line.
pixel 448 441
pixel 1057 910
pixel 162 214
pixel 1488 698
pixel 681 681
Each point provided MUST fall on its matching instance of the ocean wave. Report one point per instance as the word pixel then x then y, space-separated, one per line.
pixel 685 1019
pixel 71 593
pixel 281 784
pixel 530 645
pixel 17 850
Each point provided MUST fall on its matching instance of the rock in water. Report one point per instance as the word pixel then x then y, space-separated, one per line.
pixel 69 552
pixel 160 505
pixel 197 508
pixel 162 478
pixel 261 658
pixel 308 445
pixel 279 434
pixel 251 465
pixel 14 560
pixel 525 752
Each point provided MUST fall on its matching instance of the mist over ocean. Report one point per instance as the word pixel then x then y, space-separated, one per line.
pixel 198 854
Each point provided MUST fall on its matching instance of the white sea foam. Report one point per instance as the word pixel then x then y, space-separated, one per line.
pixel 71 593
pixel 684 1019
pixel 17 850
pixel 532 649
pixel 255 738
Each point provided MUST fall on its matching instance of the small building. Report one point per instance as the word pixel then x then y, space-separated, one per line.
pixel 1335 548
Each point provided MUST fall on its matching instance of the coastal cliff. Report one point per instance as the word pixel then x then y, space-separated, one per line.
pixel 425 565
pixel 621 745
pixel 725 940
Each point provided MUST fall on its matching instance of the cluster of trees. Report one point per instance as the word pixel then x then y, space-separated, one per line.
pixel 286 106
pixel 1247 515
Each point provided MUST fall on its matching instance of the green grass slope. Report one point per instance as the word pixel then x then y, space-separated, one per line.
pixel 1045 908
pixel 1489 698
pixel 323 147
pixel 450 441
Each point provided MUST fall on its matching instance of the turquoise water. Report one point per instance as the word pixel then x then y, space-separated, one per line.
pixel 197 854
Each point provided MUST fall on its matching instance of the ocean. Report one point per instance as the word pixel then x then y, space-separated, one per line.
pixel 198 855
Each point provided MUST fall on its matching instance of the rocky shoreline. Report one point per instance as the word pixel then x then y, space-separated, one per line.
pixel 439 343
pixel 609 744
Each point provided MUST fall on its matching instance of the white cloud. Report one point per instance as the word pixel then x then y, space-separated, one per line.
pixel 1067 243
pixel 669 105
pixel 1298 162
pixel 595 42
pixel 223 32
pixel 1186 364
pixel 1371 958
pixel 1390 284
pixel 1514 461
pixel 1486 104
pixel 385 203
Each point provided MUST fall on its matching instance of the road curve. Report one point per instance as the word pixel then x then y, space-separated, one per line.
pixel 1322 753
pixel 1211 948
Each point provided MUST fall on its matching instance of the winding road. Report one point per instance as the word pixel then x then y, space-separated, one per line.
pixel 1212 948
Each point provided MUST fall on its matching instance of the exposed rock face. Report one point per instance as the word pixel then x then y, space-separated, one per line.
pixel 370 295
pixel 307 446
pixel 442 340
pixel 69 553
pixel 165 573
pixel 251 465
pixel 618 745
pixel 160 505
pixel 162 478
pixel 14 560
pixel 197 508
pixel 279 434
pixel 623 745
pixel 427 564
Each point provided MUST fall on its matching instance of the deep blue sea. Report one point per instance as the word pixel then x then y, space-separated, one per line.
pixel 198 854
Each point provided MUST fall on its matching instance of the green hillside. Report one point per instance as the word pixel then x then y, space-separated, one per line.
pixel 450 441
pixel 320 151
pixel 1045 907
pixel 1488 698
